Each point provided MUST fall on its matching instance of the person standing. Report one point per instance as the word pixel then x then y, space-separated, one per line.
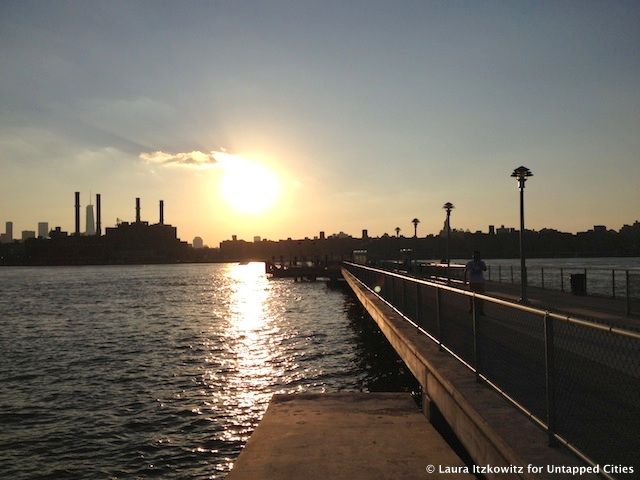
pixel 474 276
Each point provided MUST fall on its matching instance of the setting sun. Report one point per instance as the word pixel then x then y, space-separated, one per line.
pixel 248 187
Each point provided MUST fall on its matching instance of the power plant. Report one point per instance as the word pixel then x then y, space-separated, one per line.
pixel 98 216
pixel 126 243
pixel 77 207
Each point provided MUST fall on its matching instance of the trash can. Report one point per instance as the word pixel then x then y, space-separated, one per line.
pixel 578 284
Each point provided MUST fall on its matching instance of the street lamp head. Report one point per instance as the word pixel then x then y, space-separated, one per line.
pixel 521 174
pixel 448 207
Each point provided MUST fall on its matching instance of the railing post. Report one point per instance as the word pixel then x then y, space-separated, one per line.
pixel 550 379
pixel 393 291
pixel 613 283
pixel 439 317
pixel 562 279
pixel 404 296
pixel 474 314
pixel 542 277
pixel 628 309
pixel 418 303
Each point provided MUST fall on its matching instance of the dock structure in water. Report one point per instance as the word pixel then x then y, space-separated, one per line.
pixel 351 436
pixel 309 271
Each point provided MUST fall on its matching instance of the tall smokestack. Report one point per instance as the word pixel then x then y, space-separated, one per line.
pixel 98 216
pixel 161 212
pixel 137 210
pixel 77 213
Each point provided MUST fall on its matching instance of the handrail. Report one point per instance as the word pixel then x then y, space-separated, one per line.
pixel 554 436
pixel 506 303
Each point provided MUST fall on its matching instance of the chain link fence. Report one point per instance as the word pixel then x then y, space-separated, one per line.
pixel 578 380
pixel 602 282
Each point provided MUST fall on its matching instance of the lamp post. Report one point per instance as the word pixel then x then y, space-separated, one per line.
pixel 448 207
pixel 521 174
pixel 415 222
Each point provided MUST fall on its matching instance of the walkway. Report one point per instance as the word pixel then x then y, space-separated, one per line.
pixel 350 436
pixel 598 309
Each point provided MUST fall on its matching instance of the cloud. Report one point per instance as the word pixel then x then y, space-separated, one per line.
pixel 195 159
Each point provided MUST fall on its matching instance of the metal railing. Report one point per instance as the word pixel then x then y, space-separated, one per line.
pixel 602 282
pixel 578 380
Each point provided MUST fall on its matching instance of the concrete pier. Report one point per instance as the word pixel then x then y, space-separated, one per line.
pixel 492 431
pixel 348 436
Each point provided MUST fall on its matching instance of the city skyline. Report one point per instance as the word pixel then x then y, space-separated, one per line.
pixel 285 119
pixel 90 229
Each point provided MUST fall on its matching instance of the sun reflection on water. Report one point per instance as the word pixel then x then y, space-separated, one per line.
pixel 248 298
pixel 249 328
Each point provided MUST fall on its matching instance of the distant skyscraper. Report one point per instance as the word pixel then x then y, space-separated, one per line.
pixel 43 229
pixel 197 242
pixel 9 231
pixel 91 225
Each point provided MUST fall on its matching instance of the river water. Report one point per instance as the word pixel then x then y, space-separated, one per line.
pixel 164 371
pixel 613 276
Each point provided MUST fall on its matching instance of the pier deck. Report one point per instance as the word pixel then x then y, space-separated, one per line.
pixel 344 436
pixel 599 309
pixel 492 431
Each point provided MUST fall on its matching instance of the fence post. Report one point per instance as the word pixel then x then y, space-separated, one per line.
pixel 418 291
pixel 474 315
pixel 626 273
pixel 562 279
pixel 404 296
pixel 613 282
pixel 512 274
pixel 392 289
pixel 550 379
pixel 542 276
pixel 439 317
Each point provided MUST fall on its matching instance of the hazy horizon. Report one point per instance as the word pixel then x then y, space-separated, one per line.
pixel 281 119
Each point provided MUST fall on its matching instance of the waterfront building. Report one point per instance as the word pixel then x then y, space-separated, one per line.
pixel 198 243
pixel 43 229
pixel 8 232
pixel 27 234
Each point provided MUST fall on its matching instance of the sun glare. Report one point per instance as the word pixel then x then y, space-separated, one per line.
pixel 248 187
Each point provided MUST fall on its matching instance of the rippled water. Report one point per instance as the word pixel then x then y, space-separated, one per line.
pixel 164 371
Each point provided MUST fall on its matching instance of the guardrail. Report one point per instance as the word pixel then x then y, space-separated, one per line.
pixel 578 380
pixel 602 282
pixel 594 281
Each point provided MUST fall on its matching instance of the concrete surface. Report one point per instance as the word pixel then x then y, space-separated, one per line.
pixel 492 430
pixel 350 436
pixel 610 311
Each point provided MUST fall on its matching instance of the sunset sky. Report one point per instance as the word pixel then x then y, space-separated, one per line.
pixel 284 118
